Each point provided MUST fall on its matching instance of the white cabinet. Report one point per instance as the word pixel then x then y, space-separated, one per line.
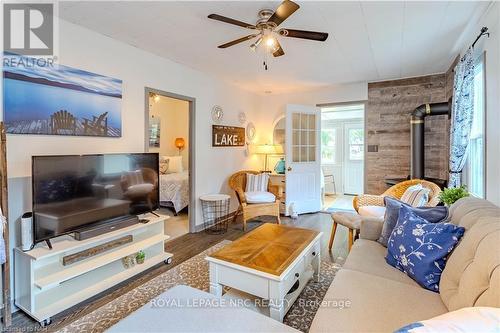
pixel 45 287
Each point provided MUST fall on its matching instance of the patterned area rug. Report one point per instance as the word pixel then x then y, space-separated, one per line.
pixel 194 273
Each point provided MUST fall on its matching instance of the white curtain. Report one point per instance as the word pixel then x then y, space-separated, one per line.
pixel 461 116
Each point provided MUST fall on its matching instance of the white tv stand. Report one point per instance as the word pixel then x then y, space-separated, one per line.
pixel 45 287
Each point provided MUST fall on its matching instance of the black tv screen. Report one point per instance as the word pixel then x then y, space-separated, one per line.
pixel 72 192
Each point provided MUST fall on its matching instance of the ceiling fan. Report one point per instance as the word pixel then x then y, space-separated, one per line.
pixel 266 29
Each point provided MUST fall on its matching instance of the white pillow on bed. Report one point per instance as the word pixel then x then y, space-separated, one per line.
pixel 174 163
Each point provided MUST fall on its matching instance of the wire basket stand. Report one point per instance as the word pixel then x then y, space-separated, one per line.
pixel 215 208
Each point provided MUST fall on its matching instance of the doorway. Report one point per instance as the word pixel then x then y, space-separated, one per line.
pixel 342 148
pixel 169 131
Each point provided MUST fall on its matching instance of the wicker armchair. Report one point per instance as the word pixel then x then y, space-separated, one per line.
pixel 397 191
pixel 238 183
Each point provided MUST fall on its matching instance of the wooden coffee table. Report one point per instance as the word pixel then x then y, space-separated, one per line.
pixel 273 262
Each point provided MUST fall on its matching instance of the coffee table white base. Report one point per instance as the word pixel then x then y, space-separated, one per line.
pixel 269 287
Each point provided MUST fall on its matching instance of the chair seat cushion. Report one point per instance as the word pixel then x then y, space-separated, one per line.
pixel 254 197
pixel 372 211
pixel 349 220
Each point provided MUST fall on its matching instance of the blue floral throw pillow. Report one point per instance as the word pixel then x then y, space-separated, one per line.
pixel 419 248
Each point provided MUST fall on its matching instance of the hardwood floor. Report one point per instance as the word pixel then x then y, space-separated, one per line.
pixel 183 248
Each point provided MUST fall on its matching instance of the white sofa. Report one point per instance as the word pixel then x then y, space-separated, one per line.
pixel 383 299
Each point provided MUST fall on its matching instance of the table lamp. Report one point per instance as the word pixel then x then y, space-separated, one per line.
pixel 267 150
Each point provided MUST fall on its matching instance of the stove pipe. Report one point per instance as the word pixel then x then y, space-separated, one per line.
pixel 417 134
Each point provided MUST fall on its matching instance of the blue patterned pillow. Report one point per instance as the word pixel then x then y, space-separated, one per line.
pixel 420 248
pixel 392 206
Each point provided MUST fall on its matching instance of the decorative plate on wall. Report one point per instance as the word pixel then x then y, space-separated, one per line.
pixel 242 117
pixel 217 114
pixel 250 131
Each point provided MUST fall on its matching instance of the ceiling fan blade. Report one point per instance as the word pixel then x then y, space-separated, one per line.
pixel 237 41
pixel 279 52
pixel 313 35
pixel 231 21
pixel 284 10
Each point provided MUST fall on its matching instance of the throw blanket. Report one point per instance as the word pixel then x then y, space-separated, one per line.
pixel 174 187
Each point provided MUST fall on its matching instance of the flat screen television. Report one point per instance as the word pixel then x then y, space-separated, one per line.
pixel 74 192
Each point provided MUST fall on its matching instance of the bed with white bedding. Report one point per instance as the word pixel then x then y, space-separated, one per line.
pixel 174 190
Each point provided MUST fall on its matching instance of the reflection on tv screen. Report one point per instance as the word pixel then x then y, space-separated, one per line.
pixel 72 192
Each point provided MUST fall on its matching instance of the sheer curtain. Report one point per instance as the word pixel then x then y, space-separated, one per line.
pixel 461 117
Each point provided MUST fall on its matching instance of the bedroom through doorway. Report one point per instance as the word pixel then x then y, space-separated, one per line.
pixel 169 134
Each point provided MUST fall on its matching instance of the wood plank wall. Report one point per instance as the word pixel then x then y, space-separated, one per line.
pixel 389 108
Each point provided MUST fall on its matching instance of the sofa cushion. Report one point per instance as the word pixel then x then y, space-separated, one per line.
pixel 420 248
pixel 372 211
pixel 369 257
pixel 466 211
pixel 375 304
pixel 254 197
pixel 472 275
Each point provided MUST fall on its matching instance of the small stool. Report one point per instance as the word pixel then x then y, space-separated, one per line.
pixel 350 220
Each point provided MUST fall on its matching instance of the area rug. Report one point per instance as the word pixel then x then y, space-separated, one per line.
pixel 194 272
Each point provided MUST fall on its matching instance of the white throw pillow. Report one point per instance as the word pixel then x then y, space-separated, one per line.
pixel 372 211
pixel 254 197
pixel 475 319
pixel 257 182
pixel 174 163
pixel 416 195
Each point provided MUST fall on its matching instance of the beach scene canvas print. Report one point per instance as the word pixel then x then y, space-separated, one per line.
pixel 61 100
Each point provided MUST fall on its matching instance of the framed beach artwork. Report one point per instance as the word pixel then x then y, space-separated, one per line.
pixel 61 100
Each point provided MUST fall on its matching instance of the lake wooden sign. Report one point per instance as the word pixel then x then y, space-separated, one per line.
pixel 227 136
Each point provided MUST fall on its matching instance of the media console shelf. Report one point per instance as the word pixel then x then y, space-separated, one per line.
pixel 45 286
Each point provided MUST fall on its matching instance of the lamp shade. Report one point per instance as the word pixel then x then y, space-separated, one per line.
pixel 268 149
pixel 180 143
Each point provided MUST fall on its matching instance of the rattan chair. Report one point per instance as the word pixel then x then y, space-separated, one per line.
pixel 238 182
pixel 397 191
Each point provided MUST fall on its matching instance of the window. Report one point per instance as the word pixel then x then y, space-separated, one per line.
pixel 356 144
pixel 328 145
pixel 475 167
pixel 303 137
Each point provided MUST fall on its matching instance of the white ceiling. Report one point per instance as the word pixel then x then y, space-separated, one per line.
pixel 368 41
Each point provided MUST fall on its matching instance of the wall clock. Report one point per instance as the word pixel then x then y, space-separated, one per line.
pixel 217 114
pixel 250 131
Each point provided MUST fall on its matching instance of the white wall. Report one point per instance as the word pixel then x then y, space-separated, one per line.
pixel 272 108
pixel 84 49
pixel 87 50
pixel 491 45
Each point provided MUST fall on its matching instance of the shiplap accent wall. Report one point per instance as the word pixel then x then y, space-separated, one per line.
pixel 389 108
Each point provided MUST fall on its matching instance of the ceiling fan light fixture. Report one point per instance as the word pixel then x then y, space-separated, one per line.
pixel 254 46
pixel 270 41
